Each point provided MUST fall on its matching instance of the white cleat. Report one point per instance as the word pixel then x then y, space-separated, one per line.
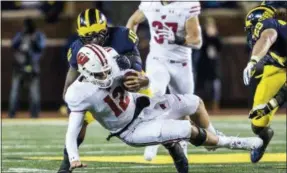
pixel 150 152
pixel 245 143
pixel 184 145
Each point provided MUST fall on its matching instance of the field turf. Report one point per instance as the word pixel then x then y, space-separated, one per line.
pixel 30 145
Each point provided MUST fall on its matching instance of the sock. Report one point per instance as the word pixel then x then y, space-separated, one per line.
pixel 223 141
pixel 211 129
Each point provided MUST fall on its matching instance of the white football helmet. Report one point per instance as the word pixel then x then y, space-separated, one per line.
pixel 95 64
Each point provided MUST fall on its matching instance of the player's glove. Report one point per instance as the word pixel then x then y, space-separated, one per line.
pixel 248 72
pixel 260 111
pixel 169 35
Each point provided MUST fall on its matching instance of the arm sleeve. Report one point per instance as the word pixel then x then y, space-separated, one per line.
pixel 74 128
pixel 144 5
pixel 72 55
pixel 135 60
pixel 261 26
pixel 191 9
pixel 130 49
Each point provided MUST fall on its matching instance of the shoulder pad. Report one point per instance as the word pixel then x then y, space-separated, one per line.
pixel 76 97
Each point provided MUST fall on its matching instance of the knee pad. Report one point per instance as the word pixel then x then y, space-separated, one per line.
pixel 200 138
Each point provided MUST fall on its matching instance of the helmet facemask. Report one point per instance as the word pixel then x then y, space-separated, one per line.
pixel 102 79
pixel 95 38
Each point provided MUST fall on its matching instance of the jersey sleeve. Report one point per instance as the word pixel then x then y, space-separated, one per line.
pixel 127 42
pixel 76 102
pixel 261 26
pixel 191 9
pixel 144 5
pixel 72 54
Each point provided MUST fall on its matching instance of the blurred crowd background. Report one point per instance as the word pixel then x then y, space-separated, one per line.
pixel 48 27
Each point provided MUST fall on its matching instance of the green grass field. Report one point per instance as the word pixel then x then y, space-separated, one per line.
pixel 30 145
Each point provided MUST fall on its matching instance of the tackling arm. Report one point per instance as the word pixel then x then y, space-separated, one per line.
pixel 70 78
pixel 260 49
pixel 135 19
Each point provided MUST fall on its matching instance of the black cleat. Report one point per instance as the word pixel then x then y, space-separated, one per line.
pixel 65 165
pixel 178 156
pixel 257 153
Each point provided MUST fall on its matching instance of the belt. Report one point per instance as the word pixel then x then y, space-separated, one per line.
pixel 141 103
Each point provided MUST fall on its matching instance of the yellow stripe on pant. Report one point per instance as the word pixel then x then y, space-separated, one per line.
pixel 272 80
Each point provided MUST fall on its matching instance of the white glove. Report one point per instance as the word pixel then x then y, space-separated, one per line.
pixel 247 73
pixel 167 34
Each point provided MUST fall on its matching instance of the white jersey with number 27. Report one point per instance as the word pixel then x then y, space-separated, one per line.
pixel 173 15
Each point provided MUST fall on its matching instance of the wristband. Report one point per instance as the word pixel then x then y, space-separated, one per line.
pixel 179 40
pixel 255 59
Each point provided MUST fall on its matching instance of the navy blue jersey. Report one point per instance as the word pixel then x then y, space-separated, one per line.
pixel 278 50
pixel 121 39
pixel 276 4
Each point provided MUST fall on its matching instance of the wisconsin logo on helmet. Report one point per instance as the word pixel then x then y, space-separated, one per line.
pixel 82 58
pixel 89 21
pixel 258 14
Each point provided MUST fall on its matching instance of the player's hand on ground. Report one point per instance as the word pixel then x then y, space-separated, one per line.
pixel 77 164
pixel 135 81
pixel 248 72
pixel 167 34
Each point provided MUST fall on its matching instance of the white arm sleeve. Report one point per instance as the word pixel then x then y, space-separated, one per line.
pixel 191 9
pixel 74 128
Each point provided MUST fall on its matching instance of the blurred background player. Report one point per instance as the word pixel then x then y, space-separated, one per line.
pixel 208 70
pixel 174 29
pixel 92 28
pixel 28 46
pixel 267 37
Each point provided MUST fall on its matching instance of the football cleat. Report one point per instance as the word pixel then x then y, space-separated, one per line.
pixel 257 153
pixel 250 143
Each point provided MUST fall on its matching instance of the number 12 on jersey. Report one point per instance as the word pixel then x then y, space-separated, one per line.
pixel 123 101
pixel 159 25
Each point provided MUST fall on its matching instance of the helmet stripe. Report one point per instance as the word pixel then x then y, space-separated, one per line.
pixel 97 16
pixel 78 21
pixel 92 16
pixel 87 20
pixel 97 53
pixel 82 19
pixel 105 59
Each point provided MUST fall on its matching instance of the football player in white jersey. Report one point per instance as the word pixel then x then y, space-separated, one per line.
pixel 136 119
pixel 175 30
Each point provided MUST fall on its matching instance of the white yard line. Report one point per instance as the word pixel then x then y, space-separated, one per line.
pixel 18 170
